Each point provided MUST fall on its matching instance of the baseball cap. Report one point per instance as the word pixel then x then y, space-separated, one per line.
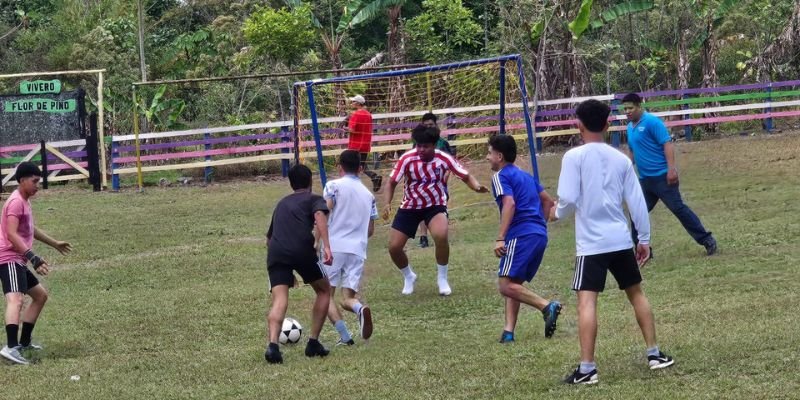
pixel 358 99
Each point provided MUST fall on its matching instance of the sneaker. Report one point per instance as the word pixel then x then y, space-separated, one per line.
pixel 408 285
pixel 507 337
pixel 365 322
pixel 273 354
pixel 347 343
pixel 444 287
pixel 12 354
pixel 711 247
pixel 550 316
pixel 315 349
pixel 30 347
pixel 423 242
pixel 376 183
pixel 660 361
pixel 577 378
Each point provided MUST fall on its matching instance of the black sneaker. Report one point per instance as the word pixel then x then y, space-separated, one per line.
pixel 273 354
pixel 577 378
pixel 423 242
pixel 376 183
pixel 660 361
pixel 550 315
pixel 711 247
pixel 507 337
pixel 315 349
pixel 347 343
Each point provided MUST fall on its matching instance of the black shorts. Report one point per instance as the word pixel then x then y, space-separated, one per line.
pixel 17 278
pixel 407 220
pixel 282 274
pixel 590 271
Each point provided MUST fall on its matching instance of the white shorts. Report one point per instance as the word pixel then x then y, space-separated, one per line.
pixel 346 271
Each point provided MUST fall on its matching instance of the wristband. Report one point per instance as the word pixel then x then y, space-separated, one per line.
pixel 35 260
pixel 500 240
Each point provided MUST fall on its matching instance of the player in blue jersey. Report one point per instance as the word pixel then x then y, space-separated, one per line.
pixel 522 236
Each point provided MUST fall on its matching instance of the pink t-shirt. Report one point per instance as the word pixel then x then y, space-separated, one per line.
pixel 20 208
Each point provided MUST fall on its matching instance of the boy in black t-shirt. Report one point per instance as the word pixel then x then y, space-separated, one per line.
pixel 291 248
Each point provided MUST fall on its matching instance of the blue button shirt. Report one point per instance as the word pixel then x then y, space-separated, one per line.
pixel 646 139
pixel 528 218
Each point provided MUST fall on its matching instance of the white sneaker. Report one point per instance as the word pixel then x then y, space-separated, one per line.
pixel 12 354
pixel 444 288
pixel 408 285
pixel 32 346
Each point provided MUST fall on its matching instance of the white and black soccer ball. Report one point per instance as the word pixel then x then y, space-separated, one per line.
pixel 291 331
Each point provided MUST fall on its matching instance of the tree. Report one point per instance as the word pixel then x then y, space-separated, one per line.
pixel 445 31
pixel 281 34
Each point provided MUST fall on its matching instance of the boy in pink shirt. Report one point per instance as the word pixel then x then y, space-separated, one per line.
pixel 17 232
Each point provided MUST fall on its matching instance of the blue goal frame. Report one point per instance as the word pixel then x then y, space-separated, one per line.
pixel 502 60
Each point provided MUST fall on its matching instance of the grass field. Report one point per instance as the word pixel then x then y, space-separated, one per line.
pixel 166 292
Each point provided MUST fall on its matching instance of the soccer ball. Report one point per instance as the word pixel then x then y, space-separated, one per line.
pixel 291 331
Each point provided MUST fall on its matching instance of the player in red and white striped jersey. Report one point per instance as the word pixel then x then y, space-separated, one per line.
pixel 424 199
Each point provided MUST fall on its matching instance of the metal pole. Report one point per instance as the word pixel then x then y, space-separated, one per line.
pixel 502 97
pixel 315 128
pixel 296 106
pixel 528 124
pixel 43 155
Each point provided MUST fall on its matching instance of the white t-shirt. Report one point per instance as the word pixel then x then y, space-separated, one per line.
pixel 595 179
pixel 353 208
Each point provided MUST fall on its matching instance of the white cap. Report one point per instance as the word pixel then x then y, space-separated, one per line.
pixel 358 99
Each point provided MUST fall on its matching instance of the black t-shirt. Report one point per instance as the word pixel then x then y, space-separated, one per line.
pixel 290 239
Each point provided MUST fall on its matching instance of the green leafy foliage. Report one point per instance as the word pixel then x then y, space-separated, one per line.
pixel 281 34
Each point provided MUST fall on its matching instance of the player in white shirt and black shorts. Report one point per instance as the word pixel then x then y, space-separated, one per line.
pixel 350 224
pixel 595 180
pixel 424 199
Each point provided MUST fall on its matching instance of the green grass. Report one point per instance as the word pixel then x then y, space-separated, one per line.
pixel 166 292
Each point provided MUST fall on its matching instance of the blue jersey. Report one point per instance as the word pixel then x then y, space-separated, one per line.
pixel 646 139
pixel 528 218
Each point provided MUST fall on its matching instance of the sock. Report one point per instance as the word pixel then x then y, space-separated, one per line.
pixel 653 351
pixel 442 271
pixel 25 337
pixel 407 272
pixel 341 327
pixel 587 367
pixel 11 331
pixel 357 307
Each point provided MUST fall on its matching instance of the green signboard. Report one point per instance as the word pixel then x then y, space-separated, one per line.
pixel 41 105
pixel 39 87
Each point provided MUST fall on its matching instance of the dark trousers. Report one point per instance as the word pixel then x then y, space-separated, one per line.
pixel 372 175
pixel 655 188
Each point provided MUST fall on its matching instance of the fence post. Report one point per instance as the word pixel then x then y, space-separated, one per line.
pixel 43 155
pixel 449 123
pixel 536 129
pixel 502 97
pixel 615 136
pixel 284 162
pixel 768 121
pixel 687 129
pixel 208 171
pixel 114 166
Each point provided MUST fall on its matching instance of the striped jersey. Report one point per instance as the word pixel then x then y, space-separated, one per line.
pixel 426 183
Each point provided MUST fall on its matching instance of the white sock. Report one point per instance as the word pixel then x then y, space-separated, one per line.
pixel 357 308
pixel 407 272
pixel 409 278
pixel 442 271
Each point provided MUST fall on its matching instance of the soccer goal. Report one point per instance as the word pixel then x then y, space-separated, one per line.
pixel 471 99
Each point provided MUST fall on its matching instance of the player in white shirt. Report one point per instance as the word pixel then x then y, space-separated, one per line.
pixel 350 224
pixel 595 180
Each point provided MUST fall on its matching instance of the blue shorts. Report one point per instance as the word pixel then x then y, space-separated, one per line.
pixel 523 256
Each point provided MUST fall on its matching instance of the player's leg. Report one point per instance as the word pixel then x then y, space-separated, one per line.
pixel 14 283
pixel 351 282
pixel 335 274
pixel 438 228
pixel 511 314
pixel 38 296
pixel 281 279
pixel 404 227
pixel 589 280
pixel 626 271
pixel 422 232
pixel 377 180
pixel 671 196
pixel 322 288
pixel 651 199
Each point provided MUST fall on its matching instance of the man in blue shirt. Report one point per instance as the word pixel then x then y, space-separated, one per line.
pixel 522 236
pixel 654 156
